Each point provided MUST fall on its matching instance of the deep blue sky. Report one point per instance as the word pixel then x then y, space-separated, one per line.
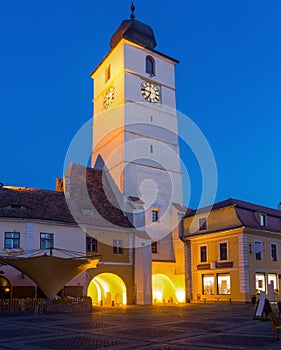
pixel 228 81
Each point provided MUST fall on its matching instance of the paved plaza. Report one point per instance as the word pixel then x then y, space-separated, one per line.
pixel 193 326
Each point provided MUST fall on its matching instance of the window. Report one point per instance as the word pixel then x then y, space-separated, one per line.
pixel 46 240
pixel 257 249
pixel 151 148
pixel 202 224
pixel 273 251
pixel 107 72
pixel 91 244
pixel 149 65
pixel 203 253
pixel 117 246
pixel 208 284
pixel 154 215
pixel 272 279
pixel 154 247
pixel 223 254
pixel 12 240
pixel 262 220
pixel 224 283
pixel 260 283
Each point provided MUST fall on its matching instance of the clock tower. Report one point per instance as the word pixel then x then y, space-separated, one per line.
pixel 135 131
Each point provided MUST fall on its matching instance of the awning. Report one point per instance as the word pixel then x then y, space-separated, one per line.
pixel 50 273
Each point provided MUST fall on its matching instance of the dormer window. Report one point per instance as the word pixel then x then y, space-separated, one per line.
pixel 150 65
pixel 262 219
pixel 202 223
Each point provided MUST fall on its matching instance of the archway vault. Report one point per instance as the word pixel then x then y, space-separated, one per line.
pixel 165 291
pixel 107 289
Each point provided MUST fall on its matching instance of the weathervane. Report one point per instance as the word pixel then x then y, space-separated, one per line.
pixel 133 10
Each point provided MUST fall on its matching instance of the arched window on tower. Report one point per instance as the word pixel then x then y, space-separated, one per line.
pixel 150 65
pixel 107 72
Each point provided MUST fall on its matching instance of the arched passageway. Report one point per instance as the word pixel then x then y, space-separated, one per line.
pixel 5 287
pixel 164 290
pixel 107 289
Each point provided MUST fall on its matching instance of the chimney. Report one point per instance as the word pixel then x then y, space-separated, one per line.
pixel 59 184
pixel 279 206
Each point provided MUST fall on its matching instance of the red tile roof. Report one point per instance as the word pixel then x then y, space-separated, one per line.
pixel 38 204
pixel 247 213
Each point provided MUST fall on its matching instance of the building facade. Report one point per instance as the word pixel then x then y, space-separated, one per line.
pixel 126 208
pixel 233 252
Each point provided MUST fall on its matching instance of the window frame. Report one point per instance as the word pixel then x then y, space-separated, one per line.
pixel 206 253
pixel 220 251
pixel 91 242
pixel 273 244
pixel 202 224
pixel 220 275
pixel 118 246
pixel 208 289
pixel 149 60
pixel 262 219
pixel 47 240
pixel 155 215
pixel 262 276
pixel 275 281
pixel 12 240
pixel 107 72
pixel 260 254
pixel 154 247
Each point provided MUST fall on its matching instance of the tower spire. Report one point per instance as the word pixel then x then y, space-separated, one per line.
pixel 133 10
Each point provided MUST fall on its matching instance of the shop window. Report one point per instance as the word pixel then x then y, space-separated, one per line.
pixel 117 246
pixel 223 283
pixel 223 251
pixel 91 244
pixel 272 279
pixel 208 282
pixel 12 240
pixel 273 252
pixel 150 65
pixel 46 240
pixel 203 254
pixel 202 223
pixel 260 283
pixel 154 247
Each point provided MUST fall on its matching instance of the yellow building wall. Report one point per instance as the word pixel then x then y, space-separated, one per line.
pixel 212 242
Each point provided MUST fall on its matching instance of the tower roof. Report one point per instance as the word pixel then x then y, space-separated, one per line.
pixel 135 31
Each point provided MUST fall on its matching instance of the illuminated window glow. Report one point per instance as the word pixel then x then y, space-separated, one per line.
pixel 223 283
pixel 260 282
pixel 208 282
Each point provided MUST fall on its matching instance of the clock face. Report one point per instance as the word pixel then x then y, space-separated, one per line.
pixel 150 91
pixel 108 98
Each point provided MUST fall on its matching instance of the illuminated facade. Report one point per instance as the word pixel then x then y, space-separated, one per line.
pixel 134 187
pixel 234 252
pixel 135 138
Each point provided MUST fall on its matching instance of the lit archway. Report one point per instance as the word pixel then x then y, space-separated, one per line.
pixel 5 287
pixel 164 290
pixel 107 289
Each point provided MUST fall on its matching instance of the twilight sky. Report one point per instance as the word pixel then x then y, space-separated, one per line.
pixel 228 82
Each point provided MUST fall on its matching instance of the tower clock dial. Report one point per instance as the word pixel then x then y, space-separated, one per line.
pixel 150 91
pixel 108 97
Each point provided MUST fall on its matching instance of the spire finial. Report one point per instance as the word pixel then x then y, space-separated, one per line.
pixel 133 10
